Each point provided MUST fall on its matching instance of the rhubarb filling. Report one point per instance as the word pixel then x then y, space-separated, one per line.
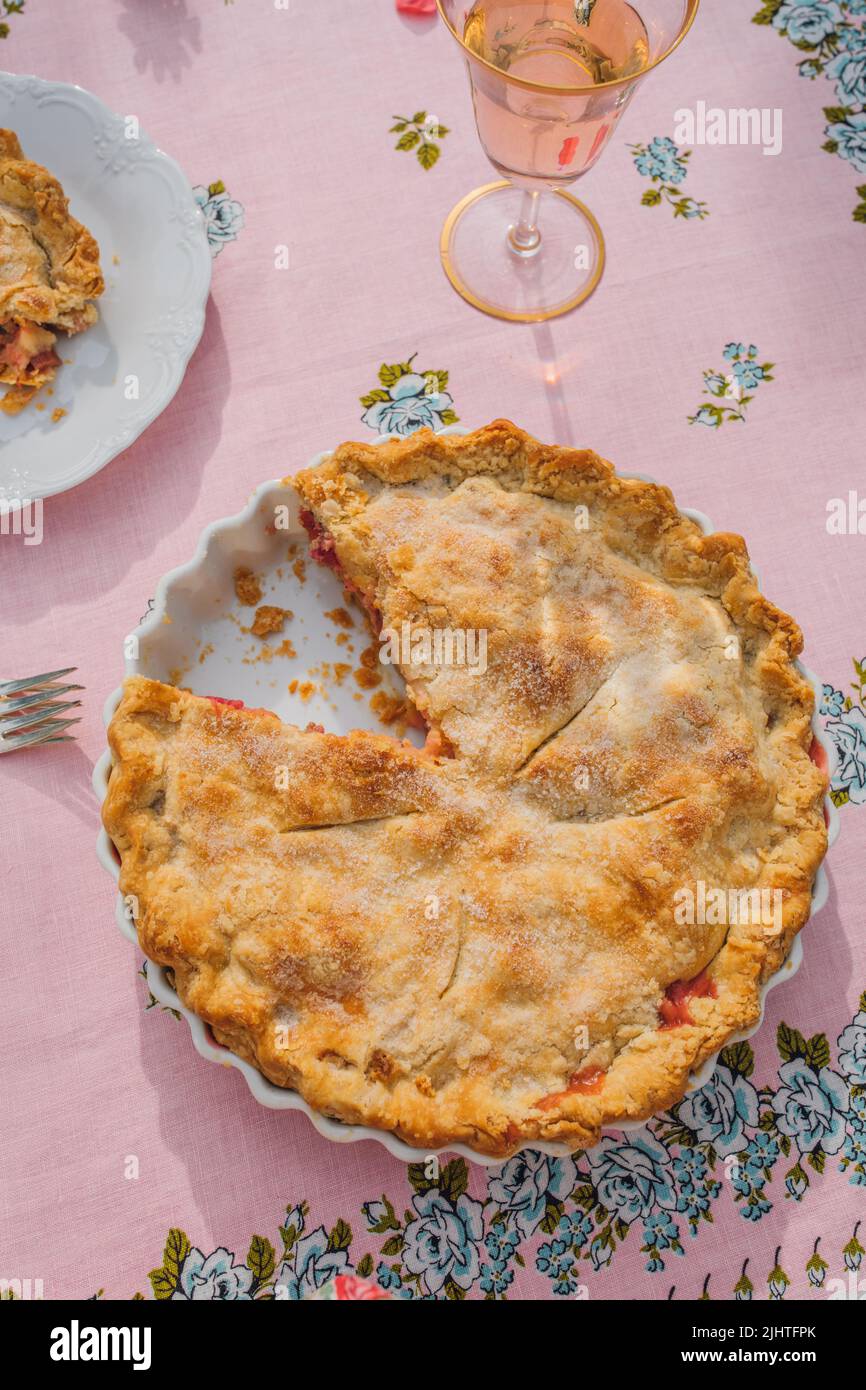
pixel 27 349
pixel 587 1082
pixel 674 1008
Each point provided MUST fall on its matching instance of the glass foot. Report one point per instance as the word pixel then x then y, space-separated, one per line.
pixel 491 273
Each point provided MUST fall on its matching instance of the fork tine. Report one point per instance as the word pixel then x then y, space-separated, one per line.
pixel 41 735
pixel 24 701
pixel 12 687
pixel 30 718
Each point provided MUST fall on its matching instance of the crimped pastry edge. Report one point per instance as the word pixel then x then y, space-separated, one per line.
pixel 722 559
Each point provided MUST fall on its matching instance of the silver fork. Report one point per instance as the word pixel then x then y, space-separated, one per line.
pixel 29 710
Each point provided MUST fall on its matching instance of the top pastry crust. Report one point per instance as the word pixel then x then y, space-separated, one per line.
pixel 484 941
pixel 49 274
pixel 49 263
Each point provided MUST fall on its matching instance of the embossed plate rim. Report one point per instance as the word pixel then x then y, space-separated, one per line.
pixel 179 325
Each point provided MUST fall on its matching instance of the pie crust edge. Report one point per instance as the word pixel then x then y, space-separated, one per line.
pixel 652 1073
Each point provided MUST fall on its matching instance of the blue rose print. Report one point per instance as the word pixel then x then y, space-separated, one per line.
pixel 223 216
pixel 444 1240
pixel 849 736
pixel 748 374
pixel 811 1106
pixel 853 1155
pixel 836 48
pixel 576 1228
pixel 387 1278
pixel 214 1277
pixel 410 406
pixel 556 1260
pixel 850 138
pixel 633 1178
pixel 600 1253
pixel 501 1243
pixel 720 1111
pixel 495 1278
pixel 807 21
pixel 796 1182
pixel 696 1187
pixel 310 1265
pixel 660 161
pixel 848 70
pixel 732 390
pixel 832 701
pixel 526 1183
pixel 761 1153
pixel 667 166
pixel 407 400
pixel 660 1233
pixel 852 1051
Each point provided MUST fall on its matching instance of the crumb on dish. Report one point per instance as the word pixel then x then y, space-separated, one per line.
pixel 248 587
pixel 270 619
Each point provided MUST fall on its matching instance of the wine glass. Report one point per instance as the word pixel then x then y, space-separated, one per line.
pixel 550 80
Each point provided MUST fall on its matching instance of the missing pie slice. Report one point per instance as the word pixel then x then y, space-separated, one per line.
pixel 489 940
pixel 49 274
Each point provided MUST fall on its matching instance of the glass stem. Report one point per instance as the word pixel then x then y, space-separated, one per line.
pixel 525 238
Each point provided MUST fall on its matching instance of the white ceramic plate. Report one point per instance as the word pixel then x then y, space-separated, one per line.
pixel 203 646
pixel 124 371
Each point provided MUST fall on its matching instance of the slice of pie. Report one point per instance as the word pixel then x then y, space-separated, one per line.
pixel 49 274
pixel 537 925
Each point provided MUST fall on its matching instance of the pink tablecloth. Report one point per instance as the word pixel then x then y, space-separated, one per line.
pixel 114 1132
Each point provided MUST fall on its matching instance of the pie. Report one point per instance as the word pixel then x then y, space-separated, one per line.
pixel 483 940
pixel 49 274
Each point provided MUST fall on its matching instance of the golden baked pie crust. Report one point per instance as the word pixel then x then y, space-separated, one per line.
pixel 439 946
pixel 49 263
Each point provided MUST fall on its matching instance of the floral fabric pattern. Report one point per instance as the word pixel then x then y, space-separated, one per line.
pixel 223 216
pixel 9 7
pixel 845 722
pixel 408 400
pixel 736 386
pixel 833 34
pixel 420 133
pixel 666 165
pixel 734 1140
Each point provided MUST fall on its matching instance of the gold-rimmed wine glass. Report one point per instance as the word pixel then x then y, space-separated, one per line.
pixel 550 80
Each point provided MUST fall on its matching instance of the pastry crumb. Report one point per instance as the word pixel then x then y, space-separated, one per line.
pixel 341 671
pixel 270 619
pixel 16 398
pixel 370 657
pixel 340 617
pixel 388 709
pixel 300 570
pixel 57 413
pixel 248 587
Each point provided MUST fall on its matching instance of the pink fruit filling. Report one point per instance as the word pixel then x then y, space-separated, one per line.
pixel 26 348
